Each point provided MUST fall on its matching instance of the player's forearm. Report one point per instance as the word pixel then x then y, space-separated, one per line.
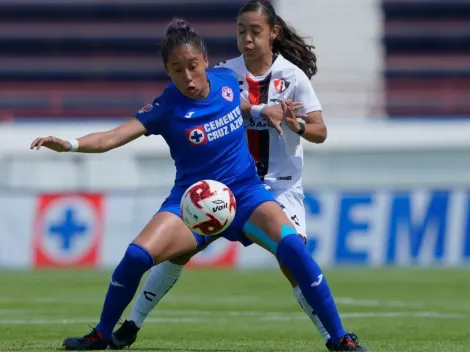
pixel 315 133
pixel 104 141
pixel 99 142
pixel 246 110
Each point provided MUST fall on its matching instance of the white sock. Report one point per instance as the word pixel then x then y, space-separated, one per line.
pixel 310 313
pixel 159 281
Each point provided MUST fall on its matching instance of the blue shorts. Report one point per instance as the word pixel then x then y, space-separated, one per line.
pixel 248 199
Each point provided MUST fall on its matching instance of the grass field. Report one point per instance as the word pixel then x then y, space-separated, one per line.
pixel 391 310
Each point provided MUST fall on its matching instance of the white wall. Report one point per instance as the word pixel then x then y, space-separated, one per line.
pixel 347 35
pixel 356 155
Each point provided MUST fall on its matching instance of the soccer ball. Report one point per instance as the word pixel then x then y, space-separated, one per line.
pixel 208 207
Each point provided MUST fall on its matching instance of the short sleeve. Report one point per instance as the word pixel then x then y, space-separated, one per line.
pixel 153 116
pixel 305 94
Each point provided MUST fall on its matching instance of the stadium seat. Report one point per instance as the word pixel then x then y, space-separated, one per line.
pixel 96 58
pixel 427 68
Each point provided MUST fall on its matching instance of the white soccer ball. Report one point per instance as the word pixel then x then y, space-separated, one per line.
pixel 208 207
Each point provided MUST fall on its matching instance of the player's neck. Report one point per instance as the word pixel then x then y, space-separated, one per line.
pixel 260 66
pixel 206 91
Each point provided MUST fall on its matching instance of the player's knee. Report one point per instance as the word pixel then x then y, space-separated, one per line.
pixel 202 243
pixel 157 252
pixel 138 256
pixel 290 246
pixel 181 260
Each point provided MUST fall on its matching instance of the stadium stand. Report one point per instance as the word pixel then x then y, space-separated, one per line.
pixel 96 58
pixel 427 70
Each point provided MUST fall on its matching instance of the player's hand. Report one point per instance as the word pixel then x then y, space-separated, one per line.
pixel 53 143
pixel 290 118
pixel 274 114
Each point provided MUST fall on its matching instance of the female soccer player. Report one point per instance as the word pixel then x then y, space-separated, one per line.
pixel 276 64
pixel 184 112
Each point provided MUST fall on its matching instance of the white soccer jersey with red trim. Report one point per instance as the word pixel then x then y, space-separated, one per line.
pixel 279 159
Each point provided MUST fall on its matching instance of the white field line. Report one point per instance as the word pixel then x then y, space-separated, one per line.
pixel 32 311
pixel 169 314
pixel 222 299
pixel 448 304
pixel 280 317
pixel 381 315
pixel 94 320
pixel 376 303
pixel 341 301
pixel 98 300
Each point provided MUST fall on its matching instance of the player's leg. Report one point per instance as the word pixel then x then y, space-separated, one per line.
pixel 165 236
pixel 291 202
pixel 298 295
pixel 269 226
pixel 160 280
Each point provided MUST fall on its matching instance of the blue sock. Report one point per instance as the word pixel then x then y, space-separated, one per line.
pixel 124 283
pixel 292 252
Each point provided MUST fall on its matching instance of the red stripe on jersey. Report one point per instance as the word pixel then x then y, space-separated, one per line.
pixel 258 141
pixel 254 92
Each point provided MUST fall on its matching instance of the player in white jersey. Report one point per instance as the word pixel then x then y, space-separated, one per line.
pixel 280 160
pixel 275 66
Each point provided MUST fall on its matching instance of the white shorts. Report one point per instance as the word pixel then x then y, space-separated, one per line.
pixel 292 202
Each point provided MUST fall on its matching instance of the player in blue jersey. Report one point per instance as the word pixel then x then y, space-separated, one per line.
pixel 199 117
pixel 260 67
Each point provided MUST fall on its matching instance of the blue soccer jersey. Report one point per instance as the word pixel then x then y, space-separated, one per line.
pixel 206 137
pixel 207 141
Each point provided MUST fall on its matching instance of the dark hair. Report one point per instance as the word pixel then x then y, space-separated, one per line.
pixel 180 33
pixel 288 43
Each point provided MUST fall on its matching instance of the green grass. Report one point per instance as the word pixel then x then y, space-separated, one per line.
pixel 392 310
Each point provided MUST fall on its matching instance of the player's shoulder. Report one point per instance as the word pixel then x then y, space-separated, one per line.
pixel 223 76
pixel 171 96
pixel 287 69
pixel 165 102
pixel 170 91
pixel 221 72
pixel 234 64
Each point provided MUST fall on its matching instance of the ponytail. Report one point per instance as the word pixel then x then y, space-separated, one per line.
pixel 295 49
